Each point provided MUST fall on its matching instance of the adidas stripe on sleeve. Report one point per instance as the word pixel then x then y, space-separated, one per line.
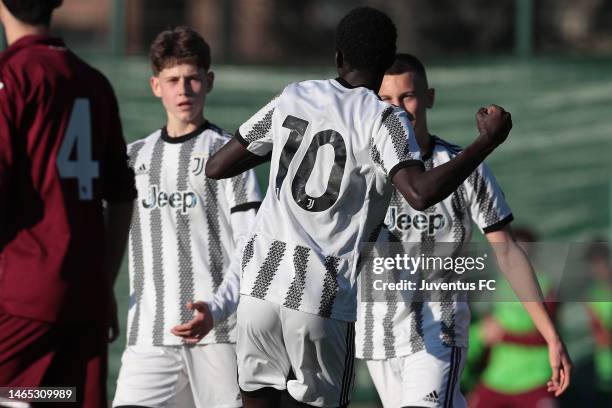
pixel 488 206
pixel 256 133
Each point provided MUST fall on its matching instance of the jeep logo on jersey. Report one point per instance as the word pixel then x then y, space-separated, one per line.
pixel 178 199
pixel 401 221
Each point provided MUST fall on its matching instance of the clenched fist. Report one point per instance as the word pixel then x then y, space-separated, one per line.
pixel 494 124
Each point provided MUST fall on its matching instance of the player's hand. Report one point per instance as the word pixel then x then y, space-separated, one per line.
pixel 194 330
pixel 561 366
pixel 113 320
pixel 494 124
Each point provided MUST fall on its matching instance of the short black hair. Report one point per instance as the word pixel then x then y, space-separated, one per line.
pixel 33 12
pixel 408 63
pixel 366 37
pixel 179 45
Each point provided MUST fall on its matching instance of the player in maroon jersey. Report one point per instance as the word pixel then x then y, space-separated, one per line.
pixel 62 154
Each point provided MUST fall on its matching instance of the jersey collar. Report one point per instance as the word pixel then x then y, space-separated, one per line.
pixel 183 138
pixel 29 40
pixel 345 83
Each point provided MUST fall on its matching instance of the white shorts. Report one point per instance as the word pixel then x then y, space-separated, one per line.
pixel 179 376
pixel 309 356
pixel 422 379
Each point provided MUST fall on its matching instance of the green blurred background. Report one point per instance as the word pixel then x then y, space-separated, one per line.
pixel 554 169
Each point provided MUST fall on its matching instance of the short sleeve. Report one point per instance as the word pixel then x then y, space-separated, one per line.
pixel 256 133
pixel 393 144
pixel 242 192
pixel 244 199
pixel 118 178
pixel 487 202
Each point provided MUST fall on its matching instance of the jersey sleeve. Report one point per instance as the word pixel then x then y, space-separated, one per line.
pixel 117 177
pixel 256 133
pixel 242 192
pixel 244 198
pixel 226 298
pixel 7 133
pixel 393 144
pixel 487 202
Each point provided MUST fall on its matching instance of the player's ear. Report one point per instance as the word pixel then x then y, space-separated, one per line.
pixel 339 59
pixel 210 80
pixel 431 97
pixel 155 86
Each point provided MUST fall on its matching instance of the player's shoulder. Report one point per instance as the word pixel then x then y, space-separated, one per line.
pixel 358 99
pixel 445 151
pixel 217 132
pixel 92 72
pixel 151 138
pixel 443 146
pixel 301 86
pixel 213 137
pixel 327 87
pixel 45 62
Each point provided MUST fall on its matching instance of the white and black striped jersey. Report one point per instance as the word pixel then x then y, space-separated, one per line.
pixel 184 228
pixel 334 150
pixel 393 328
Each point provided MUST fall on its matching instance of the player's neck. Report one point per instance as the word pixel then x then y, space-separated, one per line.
pixel 362 78
pixel 176 128
pixel 14 30
pixel 425 141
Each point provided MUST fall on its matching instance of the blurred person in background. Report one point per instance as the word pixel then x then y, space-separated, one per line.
pixel 516 367
pixel 600 315
pixel 62 157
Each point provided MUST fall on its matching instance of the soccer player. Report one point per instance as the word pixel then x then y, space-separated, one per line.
pixel 415 351
pixel 183 230
pixel 62 154
pixel 335 149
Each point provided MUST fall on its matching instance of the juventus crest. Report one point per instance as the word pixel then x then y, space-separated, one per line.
pixel 197 165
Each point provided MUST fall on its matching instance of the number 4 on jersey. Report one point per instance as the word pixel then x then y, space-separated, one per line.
pixel 78 133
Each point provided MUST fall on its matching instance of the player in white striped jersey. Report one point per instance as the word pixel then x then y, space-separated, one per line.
pixel 415 352
pixel 184 228
pixel 335 148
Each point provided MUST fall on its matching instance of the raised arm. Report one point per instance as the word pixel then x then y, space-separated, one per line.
pixel 422 189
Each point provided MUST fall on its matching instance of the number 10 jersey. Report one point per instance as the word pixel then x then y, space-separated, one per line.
pixel 334 150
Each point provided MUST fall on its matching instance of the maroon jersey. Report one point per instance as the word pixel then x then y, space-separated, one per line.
pixel 62 153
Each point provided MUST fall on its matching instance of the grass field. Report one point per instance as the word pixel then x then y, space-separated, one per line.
pixel 555 168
